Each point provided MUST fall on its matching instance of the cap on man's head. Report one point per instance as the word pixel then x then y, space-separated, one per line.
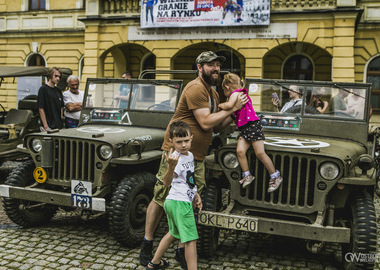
pixel 207 57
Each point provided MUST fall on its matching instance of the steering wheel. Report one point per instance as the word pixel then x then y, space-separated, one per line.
pixel 308 109
pixel 160 107
pixel 341 114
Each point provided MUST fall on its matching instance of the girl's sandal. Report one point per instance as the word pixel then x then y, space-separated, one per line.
pixel 163 264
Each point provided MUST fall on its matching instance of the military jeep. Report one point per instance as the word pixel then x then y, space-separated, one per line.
pixel 329 163
pixel 106 164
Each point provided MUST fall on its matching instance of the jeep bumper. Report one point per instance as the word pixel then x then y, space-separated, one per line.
pixel 275 227
pixel 47 196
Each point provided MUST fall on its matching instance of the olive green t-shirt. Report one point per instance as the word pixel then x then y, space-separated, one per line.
pixel 196 95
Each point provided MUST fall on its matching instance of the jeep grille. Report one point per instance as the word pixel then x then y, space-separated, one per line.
pixel 297 192
pixel 73 159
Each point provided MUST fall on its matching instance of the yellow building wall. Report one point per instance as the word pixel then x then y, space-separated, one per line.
pixel 323 37
pixel 15 5
pixel 367 45
pixel 59 5
pixel 9 6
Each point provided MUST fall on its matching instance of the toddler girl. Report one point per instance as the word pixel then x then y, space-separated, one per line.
pixel 251 132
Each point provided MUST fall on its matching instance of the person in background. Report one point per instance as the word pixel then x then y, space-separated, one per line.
pixel 124 90
pixel 338 102
pixel 316 100
pixel 356 103
pixel 72 99
pixel 50 102
pixel 295 93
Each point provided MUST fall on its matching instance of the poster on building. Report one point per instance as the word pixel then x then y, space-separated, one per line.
pixel 203 13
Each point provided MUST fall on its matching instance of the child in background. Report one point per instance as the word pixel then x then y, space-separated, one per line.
pixel 178 204
pixel 251 132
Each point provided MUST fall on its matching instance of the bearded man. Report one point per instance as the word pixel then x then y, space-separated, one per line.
pixel 198 107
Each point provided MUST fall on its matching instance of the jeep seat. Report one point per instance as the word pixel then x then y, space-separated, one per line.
pixel 14 123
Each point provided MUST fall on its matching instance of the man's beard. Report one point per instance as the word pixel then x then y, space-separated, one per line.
pixel 208 78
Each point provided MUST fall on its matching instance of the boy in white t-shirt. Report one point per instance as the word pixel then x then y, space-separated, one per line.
pixel 178 204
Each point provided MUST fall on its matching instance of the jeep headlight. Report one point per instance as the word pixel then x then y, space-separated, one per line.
pixel 230 160
pixel 329 170
pixel 36 145
pixel 105 151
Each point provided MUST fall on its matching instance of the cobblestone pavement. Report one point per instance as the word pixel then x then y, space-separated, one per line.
pixel 69 242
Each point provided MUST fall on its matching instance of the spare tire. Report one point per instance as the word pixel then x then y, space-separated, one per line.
pixel 28 103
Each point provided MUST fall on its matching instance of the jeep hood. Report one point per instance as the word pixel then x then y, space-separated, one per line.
pixel 318 146
pixel 336 148
pixel 152 137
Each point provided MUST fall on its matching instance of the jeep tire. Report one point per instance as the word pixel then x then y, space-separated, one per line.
pixel 128 206
pixel 22 212
pixel 209 236
pixel 362 221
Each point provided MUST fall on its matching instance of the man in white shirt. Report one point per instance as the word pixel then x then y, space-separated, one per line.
pixel 295 93
pixel 72 99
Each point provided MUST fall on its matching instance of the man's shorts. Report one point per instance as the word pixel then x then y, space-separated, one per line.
pixel 181 220
pixel 160 191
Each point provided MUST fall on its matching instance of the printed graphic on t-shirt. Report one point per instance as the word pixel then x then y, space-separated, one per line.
pixel 190 180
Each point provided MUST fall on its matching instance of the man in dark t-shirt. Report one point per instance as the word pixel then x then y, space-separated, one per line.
pixel 50 102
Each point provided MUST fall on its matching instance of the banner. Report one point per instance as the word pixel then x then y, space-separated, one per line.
pixel 198 13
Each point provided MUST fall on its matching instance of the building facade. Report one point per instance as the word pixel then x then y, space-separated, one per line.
pixel 324 40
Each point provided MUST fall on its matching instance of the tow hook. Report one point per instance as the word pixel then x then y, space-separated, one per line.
pixel 315 247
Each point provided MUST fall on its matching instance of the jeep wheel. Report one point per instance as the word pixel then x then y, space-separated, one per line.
pixel 22 212
pixel 362 221
pixel 209 236
pixel 128 208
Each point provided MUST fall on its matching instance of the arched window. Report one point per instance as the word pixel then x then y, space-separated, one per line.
pixel 149 62
pixel 232 63
pixel 373 76
pixel 298 67
pixel 36 60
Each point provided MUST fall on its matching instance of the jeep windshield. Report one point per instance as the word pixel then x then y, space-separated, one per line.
pixel 142 95
pixel 340 101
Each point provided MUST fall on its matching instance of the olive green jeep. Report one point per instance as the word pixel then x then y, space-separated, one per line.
pixel 329 164
pixel 106 164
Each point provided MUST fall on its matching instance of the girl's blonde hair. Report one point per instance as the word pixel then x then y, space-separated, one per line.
pixel 232 79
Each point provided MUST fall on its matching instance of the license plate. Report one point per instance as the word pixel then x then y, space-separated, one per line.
pixel 228 221
pixel 81 194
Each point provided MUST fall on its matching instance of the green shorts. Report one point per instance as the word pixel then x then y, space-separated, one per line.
pixel 160 191
pixel 181 220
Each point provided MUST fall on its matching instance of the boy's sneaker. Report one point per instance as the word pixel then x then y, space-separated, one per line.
pixel 274 184
pixel 146 252
pixel 180 257
pixel 247 180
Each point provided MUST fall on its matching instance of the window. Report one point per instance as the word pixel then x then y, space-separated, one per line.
pixel 298 67
pixel 37 5
pixel 149 63
pixel 36 60
pixel 373 76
